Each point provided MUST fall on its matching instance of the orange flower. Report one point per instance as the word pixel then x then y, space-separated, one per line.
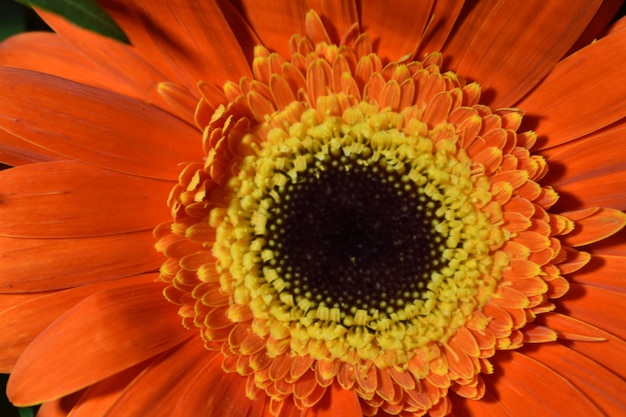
pixel 345 226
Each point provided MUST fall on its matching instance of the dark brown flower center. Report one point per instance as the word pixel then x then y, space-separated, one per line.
pixel 354 236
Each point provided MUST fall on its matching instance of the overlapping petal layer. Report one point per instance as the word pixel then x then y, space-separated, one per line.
pixel 99 133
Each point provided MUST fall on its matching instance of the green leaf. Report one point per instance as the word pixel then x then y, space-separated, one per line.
pixel 84 13
pixel 12 19
pixel 26 412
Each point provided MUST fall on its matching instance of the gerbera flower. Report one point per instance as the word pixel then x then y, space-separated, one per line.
pixel 358 208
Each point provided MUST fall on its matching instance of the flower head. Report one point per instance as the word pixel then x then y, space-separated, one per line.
pixel 352 214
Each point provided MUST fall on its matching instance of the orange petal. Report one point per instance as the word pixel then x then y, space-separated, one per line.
pixel 130 17
pixel 604 271
pixel 598 25
pixel 488 406
pixel 227 397
pixel 305 385
pixel 444 16
pixel 346 377
pixel 97 399
pixel 196 40
pixel 51 54
pixel 53 264
pixel 78 200
pixel 24 321
pixel 180 102
pixel 441 409
pixel 125 326
pixel 590 171
pixel 157 390
pixel 339 15
pixel 127 70
pixel 508 47
pixel 614 245
pixel 592 228
pixel 282 93
pixel 520 269
pixel 275 21
pixel 8 301
pixel 597 306
pixel 530 286
pixel 598 100
pixel 524 378
pixel 604 352
pixel 575 261
pixel 15 151
pixel 598 384
pixel 338 402
pixel 438 109
pixel 539 334
pixel 459 362
pixel 59 407
pixel 366 380
pixel 393 35
pixel 315 29
pixel 94 125
pixel 14 341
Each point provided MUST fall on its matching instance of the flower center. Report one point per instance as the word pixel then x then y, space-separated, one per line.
pixel 352 236
pixel 357 232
